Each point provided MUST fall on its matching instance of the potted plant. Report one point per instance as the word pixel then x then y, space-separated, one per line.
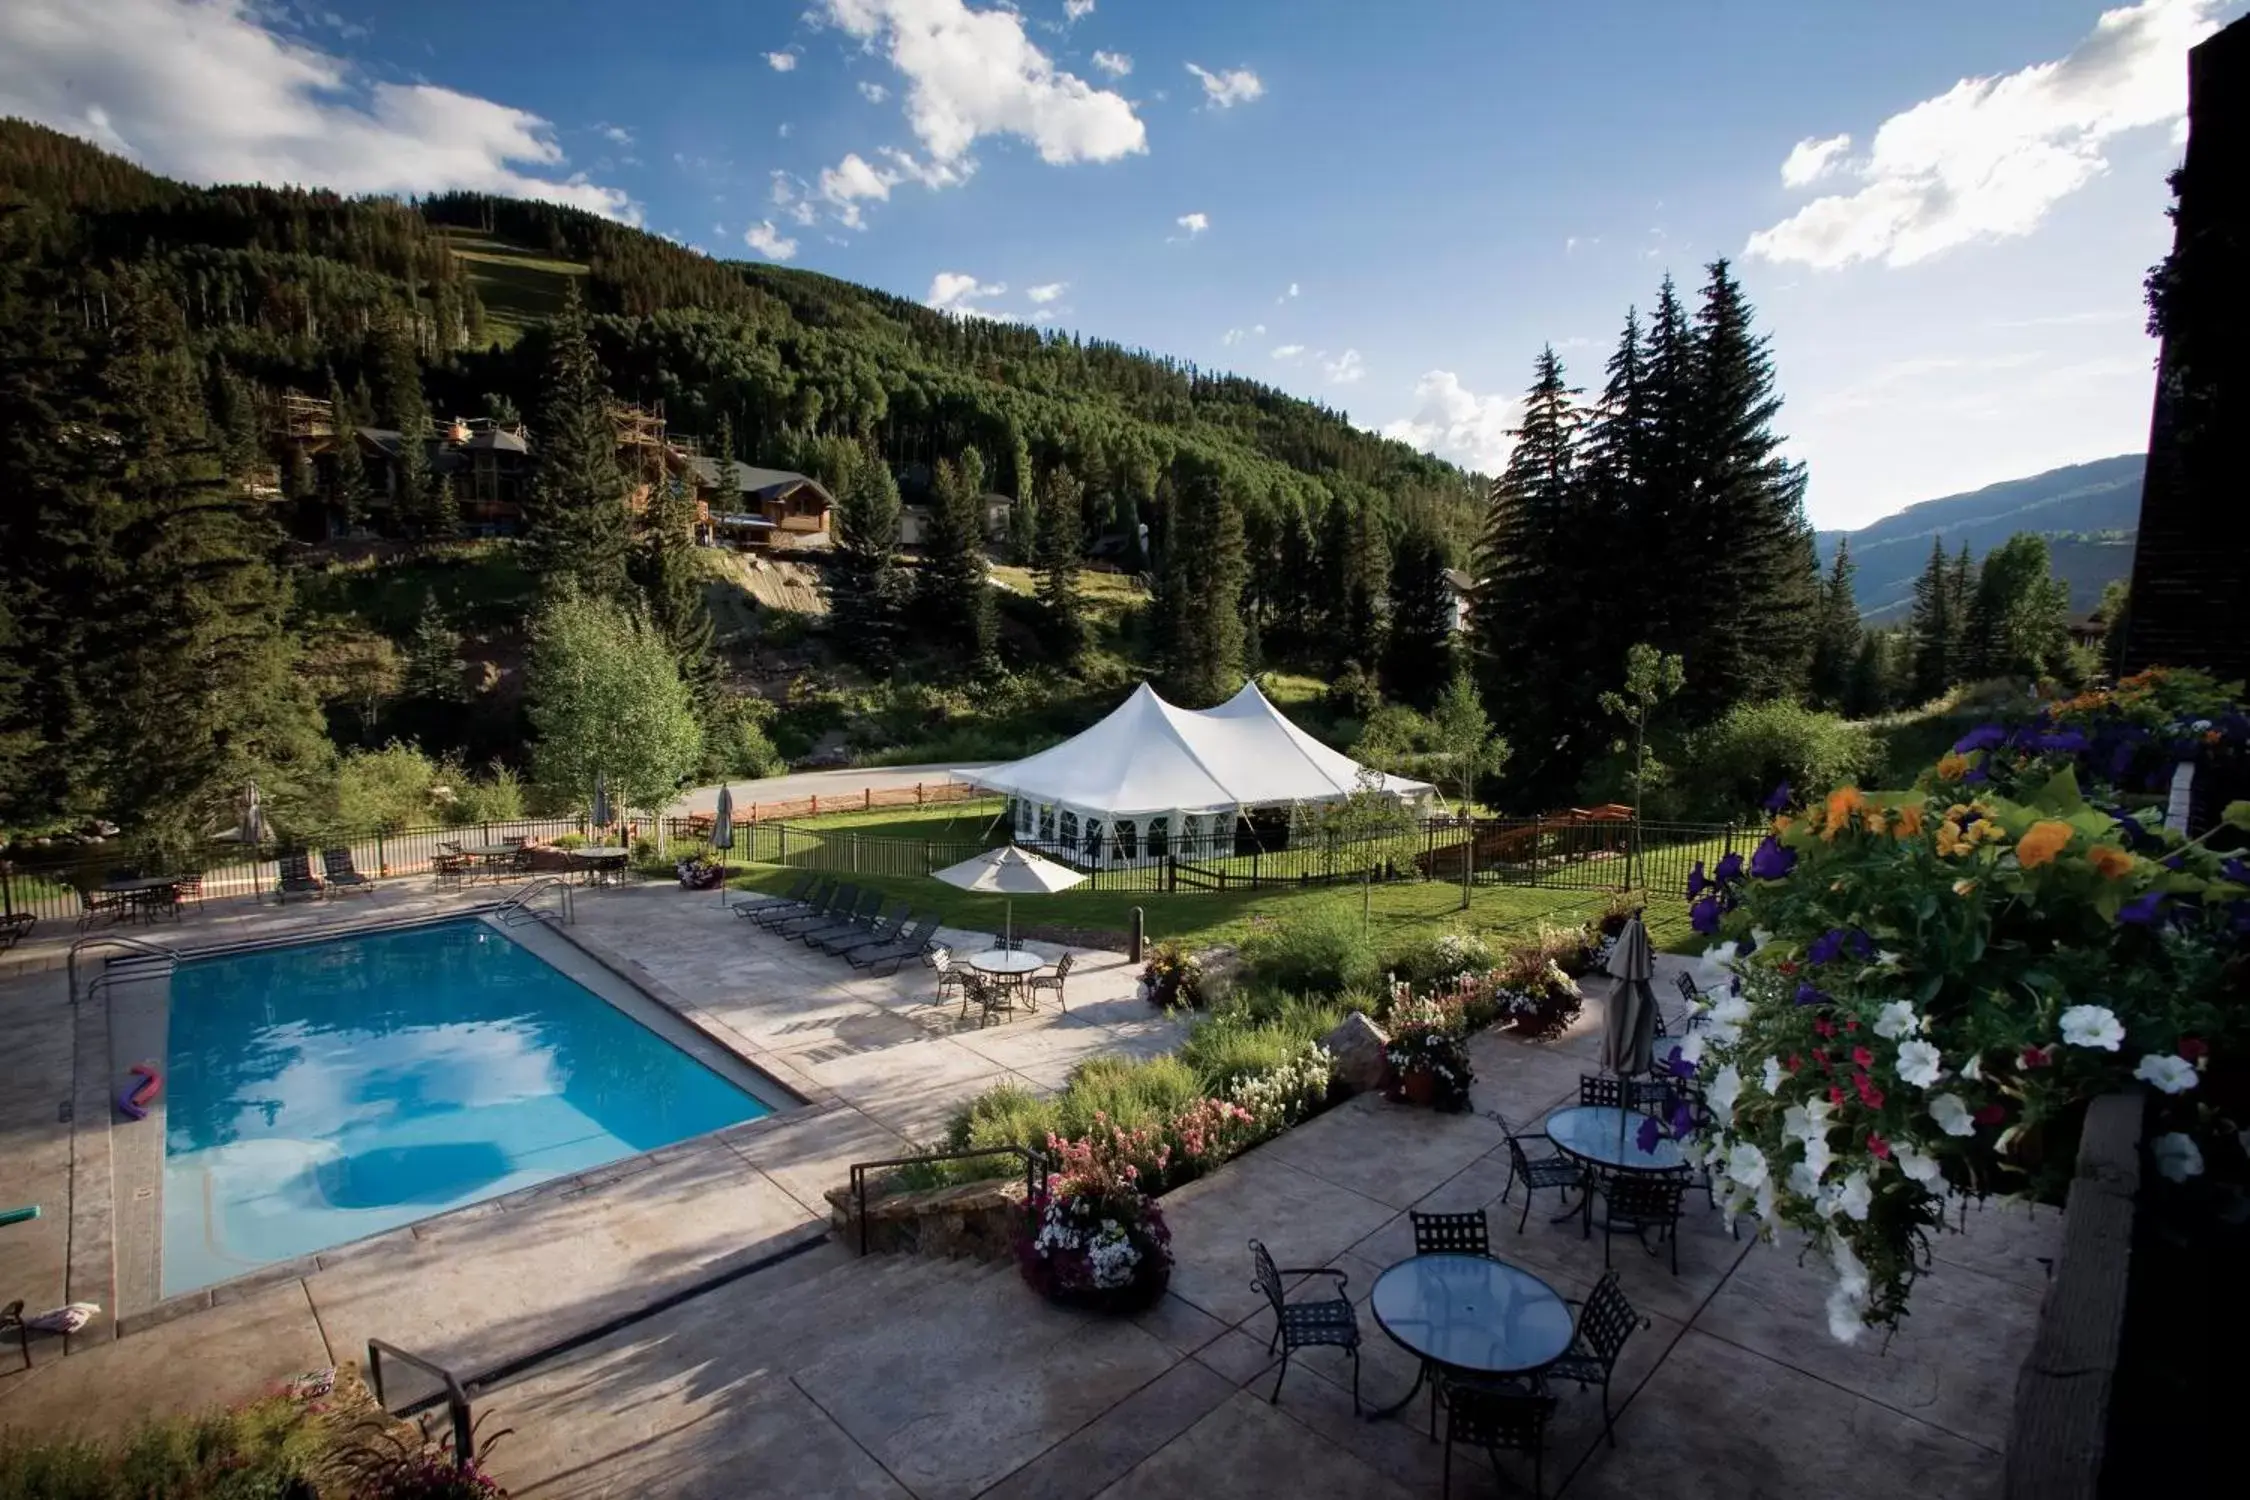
pixel 1429 1066
pixel 699 872
pixel 1172 976
pixel 1095 1240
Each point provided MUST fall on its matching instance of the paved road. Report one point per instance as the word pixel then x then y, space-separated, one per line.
pixel 839 784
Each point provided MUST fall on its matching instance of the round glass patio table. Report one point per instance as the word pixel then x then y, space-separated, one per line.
pixel 1611 1138
pixel 600 861
pixel 1471 1314
pixel 1014 963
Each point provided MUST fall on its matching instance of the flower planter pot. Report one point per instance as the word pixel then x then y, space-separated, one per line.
pixel 1142 1294
pixel 1419 1089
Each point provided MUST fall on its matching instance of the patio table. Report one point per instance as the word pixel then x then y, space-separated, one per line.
pixel 1011 967
pixel 492 859
pixel 1470 1314
pixel 145 895
pixel 601 862
pixel 1607 1139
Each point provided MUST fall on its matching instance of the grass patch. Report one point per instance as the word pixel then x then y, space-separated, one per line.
pixel 518 287
pixel 479 585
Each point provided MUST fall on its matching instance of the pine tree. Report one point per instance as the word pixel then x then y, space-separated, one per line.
pixel 1418 652
pixel 670 575
pixel 1836 634
pixel 1333 591
pixel 414 501
pixel 433 659
pixel 1367 582
pixel 1661 522
pixel 867 583
pixel 1023 529
pixel 1060 526
pixel 1750 549
pixel 347 470
pixel 722 440
pixel 1934 627
pixel 234 421
pixel 1296 586
pixel 445 511
pixel 579 528
pixel 2019 617
pixel 1205 663
pixel 956 607
pixel 1618 495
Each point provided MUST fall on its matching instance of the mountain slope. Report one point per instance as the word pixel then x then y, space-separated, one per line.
pixel 2087 512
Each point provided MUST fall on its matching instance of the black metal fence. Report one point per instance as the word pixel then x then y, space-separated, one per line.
pixel 1550 853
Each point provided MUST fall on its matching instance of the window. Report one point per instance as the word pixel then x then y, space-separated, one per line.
pixel 1126 838
pixel 1069 828
pixel 1094 838
pixel 1024 815
pixel 1047 822
pixel 1159 837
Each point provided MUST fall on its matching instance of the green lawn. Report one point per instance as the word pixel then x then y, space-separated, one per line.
pixel 518 287
pixel 480 585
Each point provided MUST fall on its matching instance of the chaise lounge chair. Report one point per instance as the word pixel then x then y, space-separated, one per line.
pixel 840 899
pixel 879 929
pixel 343 875
pixel 885 958
pixel 297 878
pixel 798 890
pixel 824 890
pixel 858 920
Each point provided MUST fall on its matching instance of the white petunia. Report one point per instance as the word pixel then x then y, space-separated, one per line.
pixel 1952 1115
pixel 2177 1157
pixel 1724 1090
pixel 1730 1010
pixel 1887 957
pixel 1770 1075
pixel 1895 1020
pixel 2092 1026
pixel 1801 1180
pixel 2163 1070
pixel 1973 1069
pixel 1923 1169
pixel 1746 1164
pixel 1759 937
pixel 1845 1323
pixel 1855 1196
pixel 1808 1119
pixel 1819 1157
pixel 1723 954
pixel 1849 1272
pixel 1691 1046
pixel 1769 1212
pixel 1919 1063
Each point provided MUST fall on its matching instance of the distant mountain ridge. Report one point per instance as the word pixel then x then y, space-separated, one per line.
pixel 2088 513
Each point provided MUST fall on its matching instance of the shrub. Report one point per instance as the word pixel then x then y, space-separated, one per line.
pixel 1131 1093
pixel 1427 961
pixel 1731 766
pixel 1172 976
pixel 497 797
pixel 253 1452
pixel 1322 950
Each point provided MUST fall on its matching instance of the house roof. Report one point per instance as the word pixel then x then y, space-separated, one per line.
pixel 498 440
pixel 1460 582
pixel 749 479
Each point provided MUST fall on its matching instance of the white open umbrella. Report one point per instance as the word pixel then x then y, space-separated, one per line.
pixel 722 837
pixel 1010 872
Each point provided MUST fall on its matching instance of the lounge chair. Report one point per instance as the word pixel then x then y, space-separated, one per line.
pixel 297 878
pixel 840 900
pixel 856 920
pixel 343 875
pixel 879 929
pixel 14 927
pixel 908 945
pixel 824 891
pixel 798 890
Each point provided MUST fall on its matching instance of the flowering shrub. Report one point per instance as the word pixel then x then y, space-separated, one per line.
pixel 1428 1063
pixel 1096 1237
pixel 1933 983
pixel 699 872
pixel 1278 1099
pixel 1440 960
pixel 1172 976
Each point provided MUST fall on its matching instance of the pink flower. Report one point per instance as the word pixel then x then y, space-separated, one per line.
pixel 1863 1057
pixel 1990 1114
pixel 2193 1048
pixel 1879 1146
pixel 2037 1057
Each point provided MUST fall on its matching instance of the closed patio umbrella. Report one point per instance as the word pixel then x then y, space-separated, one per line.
pixel 250 831
pixel 600 815
pixel 1629 1029
pixel 722 837
pixel 1010 872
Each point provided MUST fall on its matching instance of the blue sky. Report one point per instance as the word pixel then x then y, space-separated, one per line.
pixel 1385 208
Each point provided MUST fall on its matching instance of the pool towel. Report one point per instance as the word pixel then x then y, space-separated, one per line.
pixel 64 1319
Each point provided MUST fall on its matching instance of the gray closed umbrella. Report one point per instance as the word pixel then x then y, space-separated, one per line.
pixel 722 837
pixel 1629 1029
pixel 251 830
pixel 600 815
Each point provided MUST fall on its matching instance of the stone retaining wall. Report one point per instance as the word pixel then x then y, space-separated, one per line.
pixel 979 1220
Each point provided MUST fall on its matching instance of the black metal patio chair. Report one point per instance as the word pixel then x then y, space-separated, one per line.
pixel 1546 1168
pixel 845 920
pixel 952 977
pixel 1451 1234
pixel 883 959
pixel 1051 984
pixel 1600 1091
pixel 1638 1202
pixel 297 878
pixel 15 927
pixel 1605 1321
pixel 1499 1417
pixel 841 899
pixel 1322 1323
pixel 883 927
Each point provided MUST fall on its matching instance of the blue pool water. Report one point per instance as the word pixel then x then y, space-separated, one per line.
pixel 321 1093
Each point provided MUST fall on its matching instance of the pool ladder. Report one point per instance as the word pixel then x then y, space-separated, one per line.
pixel 169 956
pixel 518 908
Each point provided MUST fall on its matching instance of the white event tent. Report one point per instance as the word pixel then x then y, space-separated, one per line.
pixel 1152 779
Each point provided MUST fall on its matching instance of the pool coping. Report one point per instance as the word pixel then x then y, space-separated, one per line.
pixel 111 1229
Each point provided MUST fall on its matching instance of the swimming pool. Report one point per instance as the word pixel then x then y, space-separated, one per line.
pixel 330 1090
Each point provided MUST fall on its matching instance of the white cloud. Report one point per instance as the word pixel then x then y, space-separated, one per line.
pixel 1287 296
pixel 769 241
pixel 1115 64
pixel 971 74
pixel 875 93
pixel 1049 292
pixel 845 185
pixel 1454 422
pixel 1989 157
pixel 1288 351
pixel 1227 87
pixel 782 62
pixel 1077 10
pixel 616 133
pixel 1232 337
pixel 1345 367
pixel 957 291
pixel 1194 224
pixel 204 90
pixel 931 174
pixel 1812 159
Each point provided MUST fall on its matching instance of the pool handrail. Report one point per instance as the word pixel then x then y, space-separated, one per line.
pixel 141 946
pixel 456 1398
pixel 521 901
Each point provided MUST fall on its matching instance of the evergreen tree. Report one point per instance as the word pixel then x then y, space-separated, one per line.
pixel 1206 566
pixel 1935 627
pixel 2019 617
pixel 1367 582
pixel 1060 525
pixel 1023 530
pixel 722 441
pixel 1418 651
pixel 433 659
pixel 1618 498
pixel 445 511
pixel 234 421
pixel 1660 520
pixel 414 500
pixel 1749 547
pixel 579 528
pixel 1333 590
pixel 1836 634
pixel 867 585
pixel 670 575
pixel 1296 586
pixel 347 470
pixel 956 606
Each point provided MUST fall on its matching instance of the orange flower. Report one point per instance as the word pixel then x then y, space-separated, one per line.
pixel 1781 822
pixel 1842 803
pixel 2043 843
pixel 2110 860
pixel 1872 820
pixel 1909 823
pixel 1951 767
pixel 1949 840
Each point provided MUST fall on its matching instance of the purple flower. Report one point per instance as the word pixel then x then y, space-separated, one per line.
pixel 1678 1066
pixel 1647 1136
pixel 1770 861
pixel 1778 798
pixel 1983 737
pixel 2142 909
pixel 1695 881
pixel 1683 1117
pixel 1826 948
pixel 2133 831
pixel 1809 994
pixel 2235 870
pixel 1977 776
pixel 1729 869
pixel 1704 915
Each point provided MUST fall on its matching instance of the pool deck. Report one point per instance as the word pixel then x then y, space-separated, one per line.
pixel 879 1064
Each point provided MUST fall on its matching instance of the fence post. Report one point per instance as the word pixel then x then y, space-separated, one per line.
pixel 382 858
pixel 867 799
pixel 816 804
pixel 1171 873
pixel 917 794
